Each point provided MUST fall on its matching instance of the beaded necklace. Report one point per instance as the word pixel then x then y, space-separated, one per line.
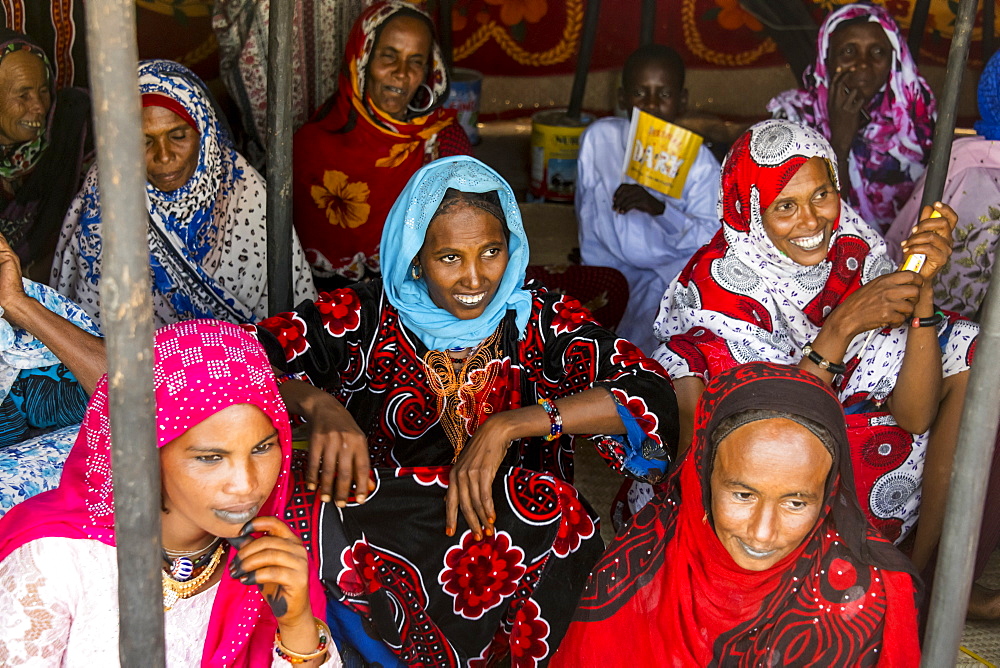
pixel 182 566
pixel 174 590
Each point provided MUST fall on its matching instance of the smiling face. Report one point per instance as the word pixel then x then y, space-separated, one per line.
pixel 217 475
pixel 864 50
pixel 171 148
pixel 800 220
pixel 463 259
pixel 24 97
pixel 654 87
pixel 767 490
pixel 398 64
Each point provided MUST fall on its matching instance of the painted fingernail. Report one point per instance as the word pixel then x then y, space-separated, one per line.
pixel 371 485
pixel 340 504
pixel 247 529
pixel 489 531
pixel 239 542
pixel 448 531
pixel 250 578
pixel 361 498
pixel 311 486
pixel 325 498
pixel 477 536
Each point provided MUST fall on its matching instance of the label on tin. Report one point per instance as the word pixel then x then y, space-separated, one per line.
pixel 660 154
pixel 555 145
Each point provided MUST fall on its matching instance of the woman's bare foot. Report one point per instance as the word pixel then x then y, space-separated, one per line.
pixel 984 604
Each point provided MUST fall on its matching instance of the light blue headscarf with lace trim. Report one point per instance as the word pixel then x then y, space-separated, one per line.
pixel 403 236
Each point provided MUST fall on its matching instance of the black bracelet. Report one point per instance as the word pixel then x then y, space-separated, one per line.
pixel 932 321
pixel 822 362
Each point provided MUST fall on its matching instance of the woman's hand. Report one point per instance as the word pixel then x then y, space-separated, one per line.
pixel 277 564
pixel 843 108
pixel 633 196
pixel 887 301
pixel 932 237
pixel 11 289
pixel 470 485
pixel 338 449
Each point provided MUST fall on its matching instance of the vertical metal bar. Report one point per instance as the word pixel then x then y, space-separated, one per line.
pixel 918 23
pixel 583 58
pixel 944 131
pixel 128 325
pixel 989 29
pixel 279 156
pixel 977 433
pixel 647 22
pixel 445 40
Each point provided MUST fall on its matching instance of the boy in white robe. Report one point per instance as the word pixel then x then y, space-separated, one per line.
pixel 646 235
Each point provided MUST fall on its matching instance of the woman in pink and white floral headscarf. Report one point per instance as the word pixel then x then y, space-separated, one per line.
pixel 865 95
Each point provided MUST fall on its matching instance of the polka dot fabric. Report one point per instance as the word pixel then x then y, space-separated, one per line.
pixel 201 367
pixel 740 300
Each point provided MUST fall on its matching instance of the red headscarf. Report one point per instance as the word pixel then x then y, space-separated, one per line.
pixel 351 163
pixel 845 597
pixel 201 368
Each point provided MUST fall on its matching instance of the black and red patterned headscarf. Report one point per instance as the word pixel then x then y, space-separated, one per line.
pixel 844 597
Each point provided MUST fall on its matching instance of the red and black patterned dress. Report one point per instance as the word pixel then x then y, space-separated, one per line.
pixel 439 601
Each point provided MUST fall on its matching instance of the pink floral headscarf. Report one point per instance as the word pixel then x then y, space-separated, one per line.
pixel 892 150
pixel 201 367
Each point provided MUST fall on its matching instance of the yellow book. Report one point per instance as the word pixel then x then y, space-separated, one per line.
pixel 659 154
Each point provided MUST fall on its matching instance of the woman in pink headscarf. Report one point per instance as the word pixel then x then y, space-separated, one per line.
pixel 865 95
pixel 234 574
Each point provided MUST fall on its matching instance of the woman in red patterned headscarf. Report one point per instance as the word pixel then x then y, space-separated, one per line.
pixel 794 276
pixel 757 552
pixel 385 121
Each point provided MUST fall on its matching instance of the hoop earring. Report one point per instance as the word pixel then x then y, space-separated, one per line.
pixel 431 99
pixel 416 272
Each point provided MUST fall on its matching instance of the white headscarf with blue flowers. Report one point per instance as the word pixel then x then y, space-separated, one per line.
pixel 403 236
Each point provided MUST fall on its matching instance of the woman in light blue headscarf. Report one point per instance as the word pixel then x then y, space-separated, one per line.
pixel 448 369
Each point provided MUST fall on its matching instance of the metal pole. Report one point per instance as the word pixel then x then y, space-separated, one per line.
pixel 583 58
pixel 647 22
pixel 128 326
pixel 977 433
pixel 944 131
pixel 279 156
pixel 917 25
pixel 989 32
pixel 444 32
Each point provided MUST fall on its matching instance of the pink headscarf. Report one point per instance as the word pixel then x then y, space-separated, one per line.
pixel 201 368
pixel 896 142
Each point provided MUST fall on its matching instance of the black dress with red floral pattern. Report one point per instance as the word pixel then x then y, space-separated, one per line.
pixel 351 343
pixel 395 580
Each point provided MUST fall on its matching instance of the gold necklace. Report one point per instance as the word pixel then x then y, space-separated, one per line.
pixel 174 590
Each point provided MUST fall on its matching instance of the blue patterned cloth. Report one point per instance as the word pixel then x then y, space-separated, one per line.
pixel 37 392
pixel 33 466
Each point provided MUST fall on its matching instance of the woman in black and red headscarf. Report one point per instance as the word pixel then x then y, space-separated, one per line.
pixel 757 552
